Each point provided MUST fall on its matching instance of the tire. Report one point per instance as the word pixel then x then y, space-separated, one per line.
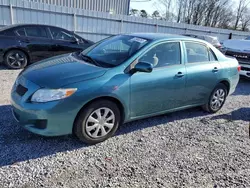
pixel 87 122
pixel 216 95
pixel 15 59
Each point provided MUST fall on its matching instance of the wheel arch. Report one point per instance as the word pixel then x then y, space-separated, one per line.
pixel 110 98
pixel 226 83
pixel 24 51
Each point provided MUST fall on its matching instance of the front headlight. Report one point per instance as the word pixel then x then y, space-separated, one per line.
pixel 46 95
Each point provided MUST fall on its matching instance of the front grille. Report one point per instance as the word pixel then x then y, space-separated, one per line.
pixel 240 56
pixel 245 69
pixel 21 90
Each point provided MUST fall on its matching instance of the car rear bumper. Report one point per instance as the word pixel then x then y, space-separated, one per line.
pixel 48 119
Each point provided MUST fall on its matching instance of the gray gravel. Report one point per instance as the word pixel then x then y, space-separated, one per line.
pixel 184 149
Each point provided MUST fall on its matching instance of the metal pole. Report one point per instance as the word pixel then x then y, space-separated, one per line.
pixel 156 28
pixel 121 28
pixel 11 15
pixel 75 24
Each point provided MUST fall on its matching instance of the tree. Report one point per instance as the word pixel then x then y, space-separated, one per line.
pixel 133 12
pixel 167 4
pixel 245 20
pixel 156 14
pixel 242 7
pixel 143 13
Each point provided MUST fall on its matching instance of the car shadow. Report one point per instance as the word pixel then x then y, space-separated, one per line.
pixel 241 88
pixel 2 67
pixel 16 142
pixel 239 114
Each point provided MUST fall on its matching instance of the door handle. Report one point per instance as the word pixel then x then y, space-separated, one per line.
pixel 179 74
pixel 25 40
pixel 215 69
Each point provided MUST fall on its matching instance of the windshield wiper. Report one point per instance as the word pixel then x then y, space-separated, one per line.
pixel 89 59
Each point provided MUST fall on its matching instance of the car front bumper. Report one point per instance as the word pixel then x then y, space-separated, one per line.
pixel 245 70
pixel 48 119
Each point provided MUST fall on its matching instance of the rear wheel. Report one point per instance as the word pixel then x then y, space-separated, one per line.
pixel 216 99
pixel 15 59
pixel 97 122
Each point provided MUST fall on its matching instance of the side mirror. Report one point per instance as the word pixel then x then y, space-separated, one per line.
pixel 143 67
pixel 74 40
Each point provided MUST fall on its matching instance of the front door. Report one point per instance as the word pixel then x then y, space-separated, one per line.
pixel 203 72
pixel 62 41
pixel 163 88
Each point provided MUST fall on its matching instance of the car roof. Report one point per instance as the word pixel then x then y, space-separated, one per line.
pixel 161 36
pixel 23 25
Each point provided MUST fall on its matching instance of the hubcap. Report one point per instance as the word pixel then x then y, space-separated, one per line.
pixel 15 60
pixel 100 122
pixel 218 99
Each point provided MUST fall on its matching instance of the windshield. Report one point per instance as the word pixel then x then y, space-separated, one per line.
pixel 115 50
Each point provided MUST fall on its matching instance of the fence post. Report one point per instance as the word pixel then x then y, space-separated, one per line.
pixel 74 22
pixel 121 27
pixel 156 28
pixel 11 14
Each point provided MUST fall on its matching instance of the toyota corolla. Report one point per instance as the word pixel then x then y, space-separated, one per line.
pixel 118 80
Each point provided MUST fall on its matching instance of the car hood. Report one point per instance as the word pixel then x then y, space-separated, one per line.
pixel 237 45
pixel 60 71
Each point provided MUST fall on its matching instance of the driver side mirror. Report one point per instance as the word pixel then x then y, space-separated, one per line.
pixel 74 40
pixel 142 66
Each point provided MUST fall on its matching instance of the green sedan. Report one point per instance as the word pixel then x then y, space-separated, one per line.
pixel 121 79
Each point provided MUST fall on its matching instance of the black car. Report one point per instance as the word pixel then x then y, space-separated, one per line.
pixel 23 44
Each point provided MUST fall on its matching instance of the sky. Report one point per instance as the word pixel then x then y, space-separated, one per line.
pixel 150 6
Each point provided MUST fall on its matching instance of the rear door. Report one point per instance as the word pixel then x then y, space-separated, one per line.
pixel 63 41
pixel 37 40
pixel 203 72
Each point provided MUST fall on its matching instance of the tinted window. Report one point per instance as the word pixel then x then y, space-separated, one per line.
pixel 200 37
pixel 248 38
pixel 163 55
pixel 21 32
pixel 36 32
pixel 196 52
pixel 60 34
pixel 8 33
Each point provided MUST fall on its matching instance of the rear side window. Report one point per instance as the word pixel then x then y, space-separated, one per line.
pixel 36 32
pixel 21 32
pixel 196 52
pixel 8 33
pixel 212 56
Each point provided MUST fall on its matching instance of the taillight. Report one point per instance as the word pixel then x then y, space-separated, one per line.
pixel 239 68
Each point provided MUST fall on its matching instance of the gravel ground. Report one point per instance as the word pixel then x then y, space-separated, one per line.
pixel 184 149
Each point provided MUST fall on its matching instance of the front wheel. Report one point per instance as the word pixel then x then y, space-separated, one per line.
pixel 97 122
pixel 216 99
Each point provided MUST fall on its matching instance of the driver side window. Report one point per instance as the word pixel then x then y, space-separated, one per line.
pixel 164 54
pixel 59 34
